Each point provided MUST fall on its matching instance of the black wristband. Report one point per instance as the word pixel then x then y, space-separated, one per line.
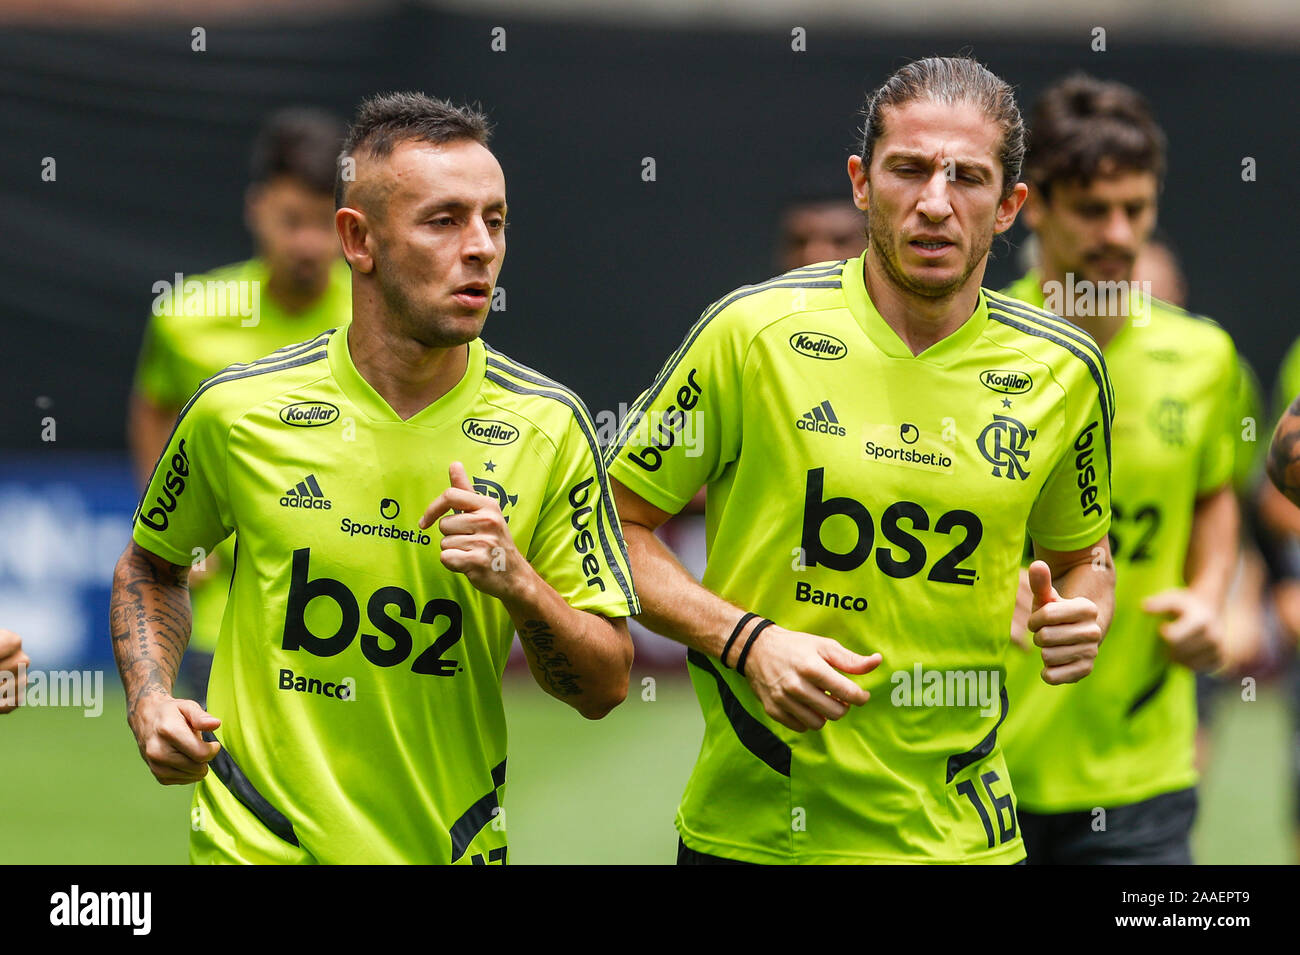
pixel 740 625
pixel 763 625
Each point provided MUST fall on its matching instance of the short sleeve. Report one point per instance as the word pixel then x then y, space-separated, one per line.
pixel 186 505
pixel 577 546
pixel 155 370
pixel 1219 447
pixel 1073 508
pixel 686 428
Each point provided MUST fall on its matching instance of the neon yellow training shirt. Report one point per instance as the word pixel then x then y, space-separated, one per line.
pixel 861 493
pixel 357 680
pixel 189 338
pixel 1127 732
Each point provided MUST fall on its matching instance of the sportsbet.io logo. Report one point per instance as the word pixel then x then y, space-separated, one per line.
pixel 818 345
pixel 487 431
pixel 1003 442
pixel 1006 382
pixel 309 414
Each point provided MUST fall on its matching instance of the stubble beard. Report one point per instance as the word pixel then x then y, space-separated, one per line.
pixel 882 242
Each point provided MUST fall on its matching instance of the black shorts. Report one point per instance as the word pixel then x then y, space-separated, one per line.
pixel 1156 831
pixel 687 856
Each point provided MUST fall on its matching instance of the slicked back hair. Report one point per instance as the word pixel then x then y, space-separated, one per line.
pixel 386 120
pixel 951 80
pixel 1082 126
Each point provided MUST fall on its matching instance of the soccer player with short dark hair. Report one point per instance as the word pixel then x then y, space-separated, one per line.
pixel 356 688
pixel 1104 770
pixel 295 287
pixel 875 434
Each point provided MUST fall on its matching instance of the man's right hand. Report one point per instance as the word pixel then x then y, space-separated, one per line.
pixel 799 677
pixel 13 660
pixel 169 733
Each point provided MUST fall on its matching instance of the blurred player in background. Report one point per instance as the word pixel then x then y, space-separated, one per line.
pixel 357 679
pixel 13 670
pixel 868 493
pixel 300 286
pixel 1280 522
pixel 1247 627
pixel 819 224
pixel 1104 770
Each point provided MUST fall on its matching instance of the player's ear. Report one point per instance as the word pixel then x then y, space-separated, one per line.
pixel 353 229
pixel 858 180
pixel 1033 211
pixel 1009 207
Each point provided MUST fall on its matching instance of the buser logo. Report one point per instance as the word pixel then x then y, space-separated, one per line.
pixel 818 345
pixel 1006 382
pixel 584 543
pixel 173 487
pixel 1087 472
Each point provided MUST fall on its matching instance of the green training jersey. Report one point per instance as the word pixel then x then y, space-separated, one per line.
pixel 357 680
pixel 1126 732
pixel 193 336
pixel 861 493
pixel 1251 430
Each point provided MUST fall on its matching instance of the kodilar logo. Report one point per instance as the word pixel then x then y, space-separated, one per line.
pixel 488 431
pixel 1006 382
pixel 309 414
pixel 818 345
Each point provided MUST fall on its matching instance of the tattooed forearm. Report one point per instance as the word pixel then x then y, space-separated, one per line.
pixel 1284 454
pixel 150 623
pixel 552 665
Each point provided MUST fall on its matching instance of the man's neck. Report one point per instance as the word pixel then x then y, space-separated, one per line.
pixel 290 298
pixel 407 375
pixel 920 322
pixel 1062 295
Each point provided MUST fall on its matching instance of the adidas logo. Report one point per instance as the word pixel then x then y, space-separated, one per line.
pixel 306 493
pixel 821 420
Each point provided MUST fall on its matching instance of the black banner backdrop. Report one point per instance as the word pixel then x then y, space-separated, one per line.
pixel 605 270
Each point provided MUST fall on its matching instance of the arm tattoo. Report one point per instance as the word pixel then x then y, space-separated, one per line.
pixel 150 623
pixel 553 665
pixel 1284 454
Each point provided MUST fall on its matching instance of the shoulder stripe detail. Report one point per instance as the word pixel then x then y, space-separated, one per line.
pixel 588 431
pixel 506 363
pixel 280 354
pixel 233 373
pixel 1044 317
pixel 1096 369
pixel 1048 319
pixel 637 411
pixel 1057 325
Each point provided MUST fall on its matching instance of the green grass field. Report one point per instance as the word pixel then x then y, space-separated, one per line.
pixel 74 790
